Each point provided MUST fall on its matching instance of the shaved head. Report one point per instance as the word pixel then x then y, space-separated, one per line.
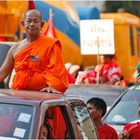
pixel 32 12
pixel 32 23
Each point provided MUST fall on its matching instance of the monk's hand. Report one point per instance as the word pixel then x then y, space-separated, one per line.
pixel 50 90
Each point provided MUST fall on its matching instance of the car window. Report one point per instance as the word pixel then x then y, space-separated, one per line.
pixel 125 110
pixel 15 120
pixel 56 124
pixel 84 122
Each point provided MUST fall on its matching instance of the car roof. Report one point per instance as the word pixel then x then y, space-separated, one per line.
pixel 101 87
pixel 32 95
pixel 107 92
pixel 135 87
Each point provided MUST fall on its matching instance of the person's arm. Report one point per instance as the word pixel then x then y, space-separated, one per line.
pixel 123 135
pixel 8 64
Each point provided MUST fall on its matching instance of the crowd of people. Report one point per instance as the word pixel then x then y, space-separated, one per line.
pixel 106 72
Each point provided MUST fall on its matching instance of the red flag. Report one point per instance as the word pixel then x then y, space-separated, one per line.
pixel 50 31
pixel 31 5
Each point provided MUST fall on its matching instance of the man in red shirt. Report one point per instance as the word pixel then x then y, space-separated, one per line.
pixel 97 109
pixel 131 130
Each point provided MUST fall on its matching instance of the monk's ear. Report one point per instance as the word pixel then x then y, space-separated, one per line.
pixel 42 23
pixel 22 23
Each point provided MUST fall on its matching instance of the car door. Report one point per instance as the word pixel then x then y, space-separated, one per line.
pixel 85 125
pixel 67 120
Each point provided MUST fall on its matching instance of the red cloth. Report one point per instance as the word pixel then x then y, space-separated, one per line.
pixel 31 5
pixel 133 130
pixel 71 78
pixel 109 72
pixel 86 77
pixel 50 31
pixel 57 124
pixel 2 39
pixel 107 132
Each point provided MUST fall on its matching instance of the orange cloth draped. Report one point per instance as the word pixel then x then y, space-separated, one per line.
pixel 40 64
pixel 58 125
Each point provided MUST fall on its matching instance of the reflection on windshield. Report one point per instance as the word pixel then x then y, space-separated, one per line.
pixel 125 110
pixel 15 120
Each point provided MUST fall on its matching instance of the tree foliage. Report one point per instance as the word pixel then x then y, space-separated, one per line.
pixel 128 6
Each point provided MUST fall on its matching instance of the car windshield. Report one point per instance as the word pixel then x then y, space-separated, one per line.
pixel 125 110
pixel 15 120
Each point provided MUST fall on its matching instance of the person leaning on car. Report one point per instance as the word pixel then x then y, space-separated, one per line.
pixel 131 130
pixel 97 109
pixel 37 59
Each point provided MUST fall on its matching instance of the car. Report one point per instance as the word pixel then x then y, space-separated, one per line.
pixel 124 109
pixel 109 93
pixel 39 115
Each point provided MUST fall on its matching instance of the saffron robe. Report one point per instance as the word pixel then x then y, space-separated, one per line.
pixel 107 132
pixel 39 65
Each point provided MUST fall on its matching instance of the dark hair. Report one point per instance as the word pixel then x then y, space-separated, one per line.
pixel 99 104
pixel 110 56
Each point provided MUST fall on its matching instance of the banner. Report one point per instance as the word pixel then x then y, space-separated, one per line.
pixel 97 36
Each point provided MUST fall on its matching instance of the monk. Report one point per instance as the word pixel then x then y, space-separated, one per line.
pixel 37 59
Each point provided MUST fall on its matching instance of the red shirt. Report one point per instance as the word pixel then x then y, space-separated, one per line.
pixel 133 130
pixel 109 72
pixel 107 132
pixel 135 134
